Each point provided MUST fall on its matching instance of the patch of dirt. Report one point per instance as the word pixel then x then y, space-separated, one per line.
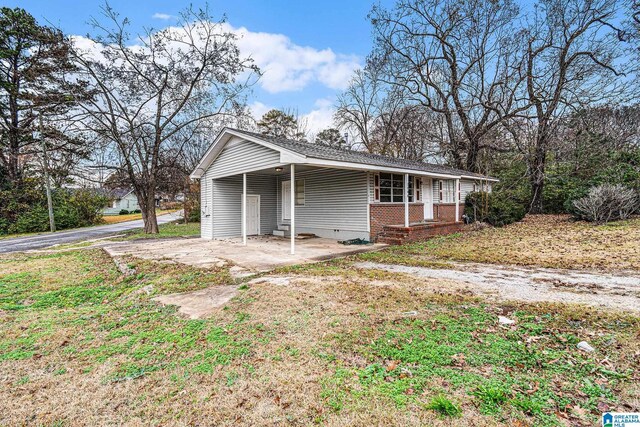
pixel 531 284
pixel 201 303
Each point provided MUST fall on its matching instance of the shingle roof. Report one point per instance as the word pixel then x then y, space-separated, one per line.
pixel 119 193
pixel 343 155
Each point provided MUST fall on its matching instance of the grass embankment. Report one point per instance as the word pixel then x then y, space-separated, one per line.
pixel 543 240
pixel 82 344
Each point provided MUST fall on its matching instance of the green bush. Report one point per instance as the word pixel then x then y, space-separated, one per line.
pixel 495 208
pixel 194 214
pixel 24 209
pixel 123 212
pixel 136 211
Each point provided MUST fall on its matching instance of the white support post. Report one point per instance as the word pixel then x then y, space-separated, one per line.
pixel 244 209
pixel 457 199
pixel 292 187
pixel 406 199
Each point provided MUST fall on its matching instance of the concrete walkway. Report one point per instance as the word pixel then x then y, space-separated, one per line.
pixel 621 291
pixel 44 240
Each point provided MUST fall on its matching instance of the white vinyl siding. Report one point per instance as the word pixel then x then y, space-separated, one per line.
pixel 336 203
pixel 243 156
pixel 226 205
pixel 206 201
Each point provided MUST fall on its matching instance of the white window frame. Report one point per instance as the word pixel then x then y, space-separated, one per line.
pixel 446 188
pixel 303 193
pixel 283 197
pixel 417 189
pixel 405 191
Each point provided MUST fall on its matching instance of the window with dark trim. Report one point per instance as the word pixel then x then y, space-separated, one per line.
pixel 447 190
pixel 300 194
pixel 389 188
pixel 376 188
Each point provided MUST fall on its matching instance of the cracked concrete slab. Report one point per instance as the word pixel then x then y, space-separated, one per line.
pixel 261 254
pixel 201 303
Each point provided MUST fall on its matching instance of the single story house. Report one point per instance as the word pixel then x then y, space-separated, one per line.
pixel 121 198
pixel 254 184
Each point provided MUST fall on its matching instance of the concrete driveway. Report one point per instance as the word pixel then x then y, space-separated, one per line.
pixel 44 240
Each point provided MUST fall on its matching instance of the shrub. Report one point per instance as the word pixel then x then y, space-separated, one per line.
pixel 194 214
pixel 26 211
pixel 123 212
pixel 606 203
pixel 136 211
pixel 495 208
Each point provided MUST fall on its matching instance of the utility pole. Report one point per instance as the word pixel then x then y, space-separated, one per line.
pixel 52 221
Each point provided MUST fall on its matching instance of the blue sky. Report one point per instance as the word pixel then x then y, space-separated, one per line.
pixel 306 49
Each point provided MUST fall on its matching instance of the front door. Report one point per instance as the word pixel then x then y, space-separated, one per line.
pixel 286 200
pixel 253 215
pixel 427 197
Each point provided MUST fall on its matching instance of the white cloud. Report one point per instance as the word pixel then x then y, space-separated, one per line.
pixel 258 109
pixel 321 117
pixel 316 120
pixel 162 16
pixel 285 65
pixel 291 67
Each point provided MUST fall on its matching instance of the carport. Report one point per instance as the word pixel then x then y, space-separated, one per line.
pixel 259 254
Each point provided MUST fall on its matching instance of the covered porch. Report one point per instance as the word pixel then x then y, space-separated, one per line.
pixel 294 200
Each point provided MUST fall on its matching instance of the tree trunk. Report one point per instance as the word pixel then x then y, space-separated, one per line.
pixel 146 200
pixel 151 223
pixel 537 175
pixel 472 156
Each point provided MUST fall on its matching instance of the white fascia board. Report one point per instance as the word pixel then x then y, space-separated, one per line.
pixel 224 136
pixel 477 178
pixel 209 156
pixel 289 157
pixel 374 168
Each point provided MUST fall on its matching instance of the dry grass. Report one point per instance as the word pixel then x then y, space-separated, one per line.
pixel 114 219
pixel 82 345
pixel 542 240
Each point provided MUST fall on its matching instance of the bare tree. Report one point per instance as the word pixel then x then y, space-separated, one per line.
pixel 407 133
pixel 460 59
pixel 367 108
pixel 157 89
pixel 572 54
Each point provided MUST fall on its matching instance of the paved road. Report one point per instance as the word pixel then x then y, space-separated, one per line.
pixel 48 239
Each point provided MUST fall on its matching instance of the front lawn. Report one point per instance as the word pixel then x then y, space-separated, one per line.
pixel 81 343
pixel 539 240
pixel 171 229
pixel 114 219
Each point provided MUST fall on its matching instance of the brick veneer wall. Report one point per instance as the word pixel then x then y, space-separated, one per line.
pixel 447 212
pixel 421 232
pixel 393 214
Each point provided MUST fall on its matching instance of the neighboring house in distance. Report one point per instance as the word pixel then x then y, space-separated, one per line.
pixel 121 198
pixel 339 194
